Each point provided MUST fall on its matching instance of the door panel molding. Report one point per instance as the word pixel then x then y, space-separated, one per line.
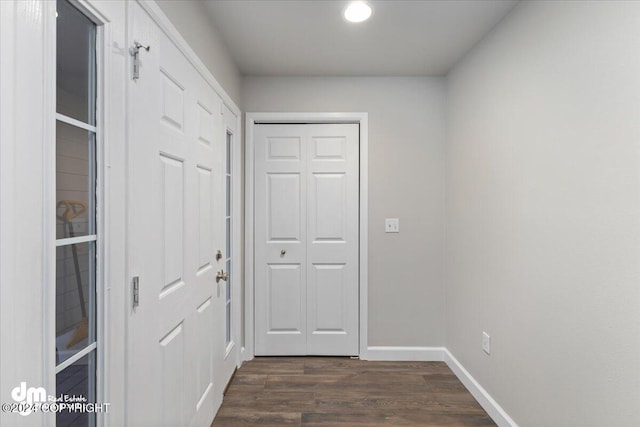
pixel 332 151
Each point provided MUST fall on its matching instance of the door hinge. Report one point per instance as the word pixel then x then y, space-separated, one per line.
pixel 135 52
pixel 136 291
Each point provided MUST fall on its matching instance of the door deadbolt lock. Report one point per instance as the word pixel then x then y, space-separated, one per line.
pixel 221 275
pixel 218 255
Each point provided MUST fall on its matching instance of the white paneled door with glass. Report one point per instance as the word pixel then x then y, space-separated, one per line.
pixel 306 239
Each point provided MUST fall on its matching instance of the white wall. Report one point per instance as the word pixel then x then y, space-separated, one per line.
pixel 26 243
pixel 191 19
pixel 406 136
pixel 543 213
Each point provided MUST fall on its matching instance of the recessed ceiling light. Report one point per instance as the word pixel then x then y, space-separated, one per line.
pixel 357 11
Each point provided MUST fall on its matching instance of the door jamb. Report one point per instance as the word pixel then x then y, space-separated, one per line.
pixel 362 119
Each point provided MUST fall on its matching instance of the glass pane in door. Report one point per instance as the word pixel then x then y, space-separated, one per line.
pixel 228 237
pixel 76 380
pixel 76 77
pixel 75 181
pixel 75 299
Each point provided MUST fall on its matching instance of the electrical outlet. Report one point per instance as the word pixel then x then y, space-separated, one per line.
pixel 392 225
pixel 486 342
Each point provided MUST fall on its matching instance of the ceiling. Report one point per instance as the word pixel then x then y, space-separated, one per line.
pixel 310 37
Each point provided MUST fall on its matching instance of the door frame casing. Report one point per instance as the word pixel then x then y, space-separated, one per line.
pixel 255 118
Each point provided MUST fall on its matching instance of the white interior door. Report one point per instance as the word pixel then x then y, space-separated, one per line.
pixel 306 239
pixel 175 227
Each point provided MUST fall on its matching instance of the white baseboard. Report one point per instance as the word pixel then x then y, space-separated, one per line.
pixel 423 354
pixel 441 354
pixel 245 356
pixel 485 400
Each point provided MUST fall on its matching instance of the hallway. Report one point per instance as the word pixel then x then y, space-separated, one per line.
pixel 195 194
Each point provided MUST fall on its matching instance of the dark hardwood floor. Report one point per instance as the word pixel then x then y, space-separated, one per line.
pixel 330 391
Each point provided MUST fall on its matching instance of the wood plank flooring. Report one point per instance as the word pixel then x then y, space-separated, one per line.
pixel 332 391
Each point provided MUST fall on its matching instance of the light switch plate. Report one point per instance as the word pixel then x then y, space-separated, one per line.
pixel 392 225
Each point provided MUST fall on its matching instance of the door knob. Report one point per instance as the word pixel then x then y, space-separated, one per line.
pixel 221 275
pixel 283 252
